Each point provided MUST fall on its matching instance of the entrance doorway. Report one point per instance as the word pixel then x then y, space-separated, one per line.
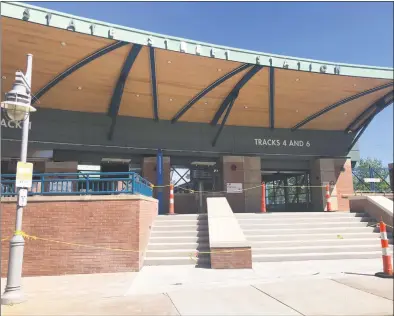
pixel 194 180
pixel 287 191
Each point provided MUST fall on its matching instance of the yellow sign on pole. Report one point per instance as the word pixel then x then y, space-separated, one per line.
pixel 24 175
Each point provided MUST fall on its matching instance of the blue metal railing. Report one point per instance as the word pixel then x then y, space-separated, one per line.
pixel 82 183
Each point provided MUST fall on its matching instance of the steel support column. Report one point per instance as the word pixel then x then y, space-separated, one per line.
pixel 116 99
pixel 223 122
pixel 154 83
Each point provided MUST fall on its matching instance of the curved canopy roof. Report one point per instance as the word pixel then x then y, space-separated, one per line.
pixel 90 66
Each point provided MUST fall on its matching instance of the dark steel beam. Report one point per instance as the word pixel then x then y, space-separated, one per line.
pixel 116 98
pixel 201 94
pixel 234 92
pixel 382 102
pixel 337 104
pixel 272 97
pixel 154 84
pixel 70 70
pixel 223 122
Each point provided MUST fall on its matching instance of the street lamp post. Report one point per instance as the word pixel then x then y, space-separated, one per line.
pixel 17 107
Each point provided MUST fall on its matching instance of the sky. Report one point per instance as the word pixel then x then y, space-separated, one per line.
pixel 349 32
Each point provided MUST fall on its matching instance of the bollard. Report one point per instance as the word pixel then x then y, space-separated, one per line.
pixel 263 205
pixel 328 198
pixel 171 211
pixel 387 266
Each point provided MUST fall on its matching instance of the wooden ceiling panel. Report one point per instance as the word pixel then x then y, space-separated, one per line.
pixel 181 96
pixel 137 105
pixel 340 117
pixel 302 93
pixel 197 72
pixel 50 57
pixel 99 77
pixel 252 104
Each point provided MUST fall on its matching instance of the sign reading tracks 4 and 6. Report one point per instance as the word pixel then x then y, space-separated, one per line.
pixel 277 142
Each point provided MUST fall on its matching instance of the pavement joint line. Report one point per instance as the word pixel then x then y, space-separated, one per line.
pixel 172 302
pixel 278 300
pixel 365 291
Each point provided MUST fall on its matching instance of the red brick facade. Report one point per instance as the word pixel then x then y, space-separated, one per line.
pixel 231 258
pixel 115 223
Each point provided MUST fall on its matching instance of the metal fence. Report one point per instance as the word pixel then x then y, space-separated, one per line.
pixel 82 183
pixel 371 179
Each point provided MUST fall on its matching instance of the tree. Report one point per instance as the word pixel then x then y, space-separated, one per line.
pixel 371 168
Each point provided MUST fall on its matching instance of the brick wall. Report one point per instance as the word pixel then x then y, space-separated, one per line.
pixel 231 258
pixel 118 223
pixel 344 183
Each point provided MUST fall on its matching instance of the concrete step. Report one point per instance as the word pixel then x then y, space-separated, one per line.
pixel 178 239
pixel 291 220
pixel 298 214
pixel 176 245
pixel 179 233
pixel 179 228
pixel 306 225
pixel 335 234
pixel 177 253
pixel 309 230
pixel 175 261
pixel 322 242
pixel 317 256
pixel 317 249
pixel 183 217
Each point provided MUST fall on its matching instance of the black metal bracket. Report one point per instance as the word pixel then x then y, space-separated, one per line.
pixel 379 104
pixel 337 104
pixel 234 92
pixel 201 94
pixel 73 68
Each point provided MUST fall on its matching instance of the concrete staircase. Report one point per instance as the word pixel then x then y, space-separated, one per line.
pixel 311 236
pixel 175 239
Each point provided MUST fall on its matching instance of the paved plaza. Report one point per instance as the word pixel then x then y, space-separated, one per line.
pixel 346 287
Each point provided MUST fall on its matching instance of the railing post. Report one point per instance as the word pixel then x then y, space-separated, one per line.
pixel 87 184
pixel 133 191
pixel 42 185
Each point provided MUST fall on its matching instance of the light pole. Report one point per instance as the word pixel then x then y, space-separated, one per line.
pixel 17 107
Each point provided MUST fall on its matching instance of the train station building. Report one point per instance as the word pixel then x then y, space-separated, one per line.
pixel 213 119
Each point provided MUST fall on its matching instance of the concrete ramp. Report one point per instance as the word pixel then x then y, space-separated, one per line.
pixel 228 245
pixel 377 207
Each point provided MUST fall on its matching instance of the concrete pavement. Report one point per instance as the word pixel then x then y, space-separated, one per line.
pixel 345 287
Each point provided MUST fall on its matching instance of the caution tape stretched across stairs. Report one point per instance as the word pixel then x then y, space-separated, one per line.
pixel 193 255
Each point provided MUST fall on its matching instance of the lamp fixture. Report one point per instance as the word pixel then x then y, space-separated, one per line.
pixel 17 101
